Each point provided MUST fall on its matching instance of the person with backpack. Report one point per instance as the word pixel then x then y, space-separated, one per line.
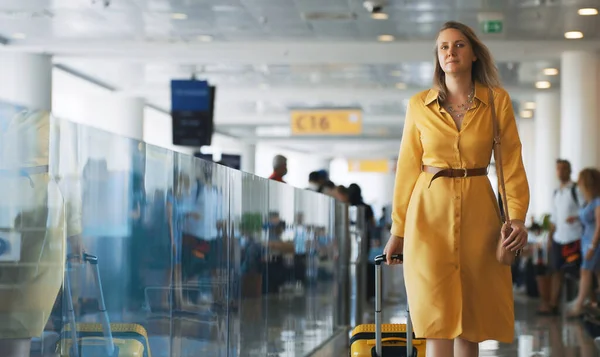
pixel 564 241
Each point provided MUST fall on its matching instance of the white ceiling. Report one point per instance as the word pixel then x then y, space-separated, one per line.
pixel 266 56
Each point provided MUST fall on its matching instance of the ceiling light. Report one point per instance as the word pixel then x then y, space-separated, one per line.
pixel 386 38
pixel 225 8
pixel 401 85
pixel 379 16
pixel 529 105
pixel 526 114
pixel 542 84
pixel 588 11
pixel 19 36
pixel 573 35
pixel 550 71
pixel 178 16
pixel 272 130
pixel 205 38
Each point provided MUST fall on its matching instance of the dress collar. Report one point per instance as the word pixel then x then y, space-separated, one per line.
pixel 481 93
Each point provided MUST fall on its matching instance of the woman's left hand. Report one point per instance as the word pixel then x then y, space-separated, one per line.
pixel 589 255
pixel 517 238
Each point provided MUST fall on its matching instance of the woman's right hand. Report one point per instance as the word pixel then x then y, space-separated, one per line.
pixel 395 245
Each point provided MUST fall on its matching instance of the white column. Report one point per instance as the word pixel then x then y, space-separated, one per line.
pixel 26 80
pixel 579 120
pixel 528 138
pixel 124 116
pixel 547 150
pixel 248 158
pixel 389 181
pixel 78 100
pixel 111 112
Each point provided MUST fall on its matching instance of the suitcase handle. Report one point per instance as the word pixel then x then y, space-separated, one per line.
pixel 378 305
pixel 393 339
pixel 106 329
pixel 382 258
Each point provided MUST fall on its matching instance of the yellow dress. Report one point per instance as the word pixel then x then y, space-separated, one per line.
pixel 455 286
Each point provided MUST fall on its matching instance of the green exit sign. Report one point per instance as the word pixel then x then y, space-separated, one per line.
pixel 493 26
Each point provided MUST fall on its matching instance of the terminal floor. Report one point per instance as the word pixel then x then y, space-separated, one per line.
pixel 290 325
pixel 537 336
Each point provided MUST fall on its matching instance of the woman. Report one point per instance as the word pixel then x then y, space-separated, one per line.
pixel 445 214
pixel 589 215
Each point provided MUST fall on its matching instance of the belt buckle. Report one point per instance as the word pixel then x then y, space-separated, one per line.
pixel 466 172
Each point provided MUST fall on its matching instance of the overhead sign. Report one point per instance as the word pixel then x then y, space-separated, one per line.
pixel 492 26
pixel 190 95
pixel 192 109
pixel 326 122
pixel 491 22
pixel 381 166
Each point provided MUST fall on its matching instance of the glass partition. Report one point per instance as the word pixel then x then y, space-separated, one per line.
pixel 179 256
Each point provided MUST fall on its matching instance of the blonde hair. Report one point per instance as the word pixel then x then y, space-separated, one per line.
pixel 483 71
pixel 589 183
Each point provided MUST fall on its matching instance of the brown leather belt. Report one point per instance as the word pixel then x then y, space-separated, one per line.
pixel 453 173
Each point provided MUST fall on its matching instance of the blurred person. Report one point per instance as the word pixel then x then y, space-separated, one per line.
pixel 355 198
pixel 36 215
pixel 341 194
pixel 323 177
pixel 589 215
pixel 279 168
pixel 317 180
pixel 445 214
pixel 313 181
pixel 564 241
pixel 178 211
pixel 328 188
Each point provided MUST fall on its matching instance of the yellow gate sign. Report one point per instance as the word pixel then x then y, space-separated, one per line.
pixel 326 122
pixel 382 166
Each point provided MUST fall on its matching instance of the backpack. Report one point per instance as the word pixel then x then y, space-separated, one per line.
pixel 573 193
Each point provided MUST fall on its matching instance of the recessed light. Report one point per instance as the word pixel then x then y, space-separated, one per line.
pixel 401 85
pixel 542 84
pixel 550 71
pixel 526 114
pixel 379 16
pixel 205 38
pixel 19 36
pixel 588 11
pixel 178 16
pixel 529 105
pixel 386 38
pixel 573 35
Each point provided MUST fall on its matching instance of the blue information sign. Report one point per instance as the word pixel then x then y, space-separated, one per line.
pixel 190 95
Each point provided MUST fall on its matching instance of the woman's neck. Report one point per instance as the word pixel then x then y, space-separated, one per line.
pixel 459 86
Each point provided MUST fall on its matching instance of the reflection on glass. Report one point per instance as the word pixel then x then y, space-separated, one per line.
pixel 193 258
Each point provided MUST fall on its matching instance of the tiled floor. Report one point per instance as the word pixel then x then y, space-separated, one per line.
pixel 295 323
pixel 535 335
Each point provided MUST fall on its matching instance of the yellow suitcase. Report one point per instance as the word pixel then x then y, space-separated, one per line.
pixel 385 340
pixel 103 339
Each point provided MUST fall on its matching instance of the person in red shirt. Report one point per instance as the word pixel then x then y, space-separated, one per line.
pixel 279 168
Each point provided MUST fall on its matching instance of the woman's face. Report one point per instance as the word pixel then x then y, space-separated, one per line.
pixel 584 191
pixel 454 51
